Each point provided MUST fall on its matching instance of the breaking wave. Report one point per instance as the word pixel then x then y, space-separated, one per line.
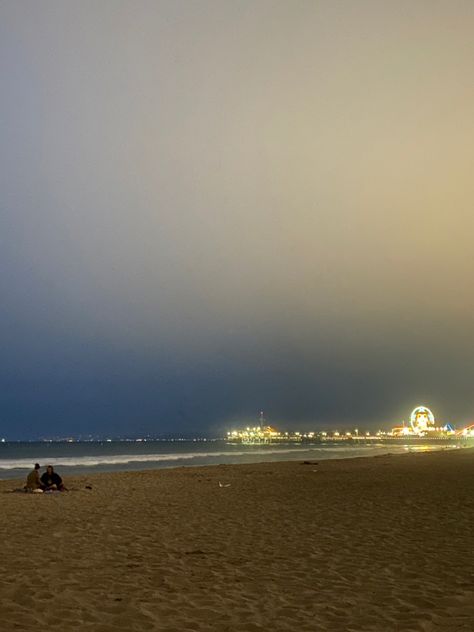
pixel 98 460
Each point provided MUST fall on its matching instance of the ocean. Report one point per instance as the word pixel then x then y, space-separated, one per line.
pixel 18 458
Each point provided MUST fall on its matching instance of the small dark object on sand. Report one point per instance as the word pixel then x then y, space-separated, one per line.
pixel 88 486
pixel 310 463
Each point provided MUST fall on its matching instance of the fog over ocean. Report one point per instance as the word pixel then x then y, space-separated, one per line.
pixel 212 208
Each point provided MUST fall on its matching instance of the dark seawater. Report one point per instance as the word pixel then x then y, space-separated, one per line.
pixel 17 458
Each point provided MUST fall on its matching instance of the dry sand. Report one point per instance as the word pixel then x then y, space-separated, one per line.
pixel 380 543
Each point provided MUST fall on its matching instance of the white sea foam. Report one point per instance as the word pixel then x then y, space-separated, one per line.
pixel 124 459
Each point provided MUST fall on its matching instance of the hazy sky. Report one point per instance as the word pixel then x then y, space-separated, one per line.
pixel 212 207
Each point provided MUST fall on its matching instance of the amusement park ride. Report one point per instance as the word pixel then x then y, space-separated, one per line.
pixel 422 424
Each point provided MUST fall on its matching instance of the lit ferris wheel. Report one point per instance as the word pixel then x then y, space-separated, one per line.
pixel 421 419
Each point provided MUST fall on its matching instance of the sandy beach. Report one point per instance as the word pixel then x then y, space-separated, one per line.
pixel 379 543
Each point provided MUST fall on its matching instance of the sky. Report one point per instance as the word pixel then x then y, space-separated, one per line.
pixel 211 208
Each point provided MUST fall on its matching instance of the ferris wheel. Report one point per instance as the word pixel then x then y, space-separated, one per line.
pixel 421 419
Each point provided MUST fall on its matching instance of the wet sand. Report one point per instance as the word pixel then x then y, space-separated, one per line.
pixel 378 543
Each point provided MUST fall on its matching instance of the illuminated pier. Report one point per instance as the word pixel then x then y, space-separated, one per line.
pixel 260 435
pixel 422 428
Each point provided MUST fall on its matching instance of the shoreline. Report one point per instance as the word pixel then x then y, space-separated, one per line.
pixel 362 544
pixel 318 462
pixel 101 463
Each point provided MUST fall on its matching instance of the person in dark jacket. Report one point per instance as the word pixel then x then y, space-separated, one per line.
pixel 50 480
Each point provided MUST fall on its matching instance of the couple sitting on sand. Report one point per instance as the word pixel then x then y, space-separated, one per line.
pixel 48 482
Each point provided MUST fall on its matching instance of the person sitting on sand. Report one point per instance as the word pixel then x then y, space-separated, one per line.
pixel 33 480
pixel 51 481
